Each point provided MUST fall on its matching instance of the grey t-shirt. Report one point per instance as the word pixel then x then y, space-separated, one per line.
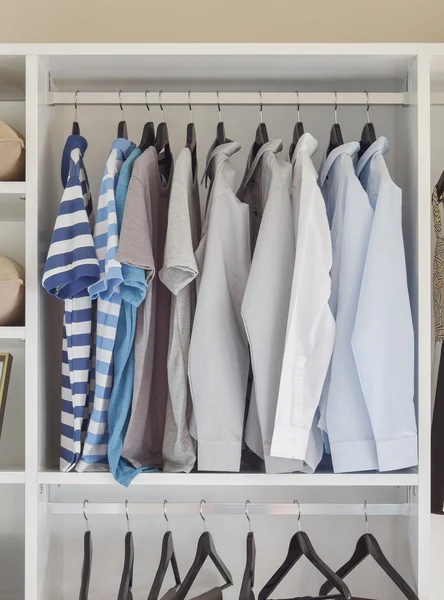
pixel 178 274
pixel 146 218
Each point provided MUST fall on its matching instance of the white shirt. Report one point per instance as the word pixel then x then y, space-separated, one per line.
pixel 310 325
pixel 219 358
pixel 344 411
pixel 267 297
pixel 383 338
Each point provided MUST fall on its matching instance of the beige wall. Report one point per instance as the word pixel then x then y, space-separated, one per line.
pixel 222 20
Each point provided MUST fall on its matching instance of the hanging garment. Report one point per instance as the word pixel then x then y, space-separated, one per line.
pixel 178 274
pixel 71 266
pixel 344 413
pixel 106 291
pixel 383 338
pixel 310 326
pixel 266 190
pixel 219 358
pixel 143 247
pixel 437 450
pixel 132 290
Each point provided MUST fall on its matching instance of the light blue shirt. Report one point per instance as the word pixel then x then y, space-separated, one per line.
pixel 344 414
pixel 383 338
pixel 132 290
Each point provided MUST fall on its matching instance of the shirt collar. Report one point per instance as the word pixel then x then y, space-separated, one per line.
pixel 229 148
pixel 73 142
pixel 381 146
pixel 350 148
pixel 271 146
pixel 305 143
pixel 124 145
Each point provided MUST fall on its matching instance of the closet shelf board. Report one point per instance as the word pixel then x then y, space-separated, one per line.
pixel 12 333
pixel 13 187
pixel 236 479
pixel 12 477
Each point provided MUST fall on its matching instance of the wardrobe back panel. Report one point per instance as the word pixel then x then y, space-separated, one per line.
pixel 12 542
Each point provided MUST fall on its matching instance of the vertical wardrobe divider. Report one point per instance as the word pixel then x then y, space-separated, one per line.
pixel 56 74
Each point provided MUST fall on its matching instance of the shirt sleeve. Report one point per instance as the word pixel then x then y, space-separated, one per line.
pixel 71 265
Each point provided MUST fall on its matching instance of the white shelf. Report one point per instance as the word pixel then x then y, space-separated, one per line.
pixel 12 333
pixel 12 477
pixel 13 187
pixel 235 479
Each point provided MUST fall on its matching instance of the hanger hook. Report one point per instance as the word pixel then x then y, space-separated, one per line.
pixel 368 106
pixel 75 103
pixel 218 107
pixel 366 516
pixel 161 105
pixel 298 106
pixel 127 515
pixel 336 108
pixel 261 107
pixel 202 502
pixel 121 106
pixel 165 502
pixel 189 106
pixel 247 502
pixel 299 514
pixel 85 516
pixel 147 105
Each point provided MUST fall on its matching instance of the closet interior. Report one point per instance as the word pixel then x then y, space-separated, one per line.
pixel 243 85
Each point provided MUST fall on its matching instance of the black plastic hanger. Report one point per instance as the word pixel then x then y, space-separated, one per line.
pixel 191 142
pixel 300 545
pixel 148 133
pixel 336 139
pixel 298 132
pixel 205 549
pixel 122 130
pixel 440 188
pixel 367 545
pixel 246 591
pixel 221 137
pixel 126 581
pixel 87 559
pixel 167 557
pixel 261 132
pixel 368 135
pixel 75 124
pixel 162 141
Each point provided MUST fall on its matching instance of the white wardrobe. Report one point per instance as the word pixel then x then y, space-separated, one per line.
pixel 41 519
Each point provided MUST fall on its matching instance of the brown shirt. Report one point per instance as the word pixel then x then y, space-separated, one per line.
pixel 142 244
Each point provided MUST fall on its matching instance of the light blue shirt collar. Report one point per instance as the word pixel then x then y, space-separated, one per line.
pixel 380 146
pixel 351 148
pixel 124 145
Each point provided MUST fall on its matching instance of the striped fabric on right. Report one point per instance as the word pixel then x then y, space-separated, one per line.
pixel 72 266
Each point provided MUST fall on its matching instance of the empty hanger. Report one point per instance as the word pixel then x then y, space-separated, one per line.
pixel 148 133
pixel 368 135
pixel 75 124
pixel 246 591
pixel 298 130
pixel 191 142
pixel 162 141
pixel 300 545
pixel 126 581
pixel 368 546
pixel 122 130
pixel 87 556
pixel 336 139
pixel 205 549
pixel 261 131
pixel 167 557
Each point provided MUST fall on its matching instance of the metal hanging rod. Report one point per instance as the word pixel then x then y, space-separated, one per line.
pixel 229 98
pixel 210 508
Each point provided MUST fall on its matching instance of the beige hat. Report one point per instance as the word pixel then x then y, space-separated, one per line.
pixel 12 292
pixel 12 154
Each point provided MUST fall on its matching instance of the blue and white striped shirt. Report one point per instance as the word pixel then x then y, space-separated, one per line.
pixel 71 267
pixel 106 290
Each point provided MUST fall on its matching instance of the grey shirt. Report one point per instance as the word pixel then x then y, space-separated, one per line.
pixel 178 274
pixel 146 218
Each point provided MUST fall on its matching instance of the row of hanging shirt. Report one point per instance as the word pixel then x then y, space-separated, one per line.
pixel 299 546
pixel 296 280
